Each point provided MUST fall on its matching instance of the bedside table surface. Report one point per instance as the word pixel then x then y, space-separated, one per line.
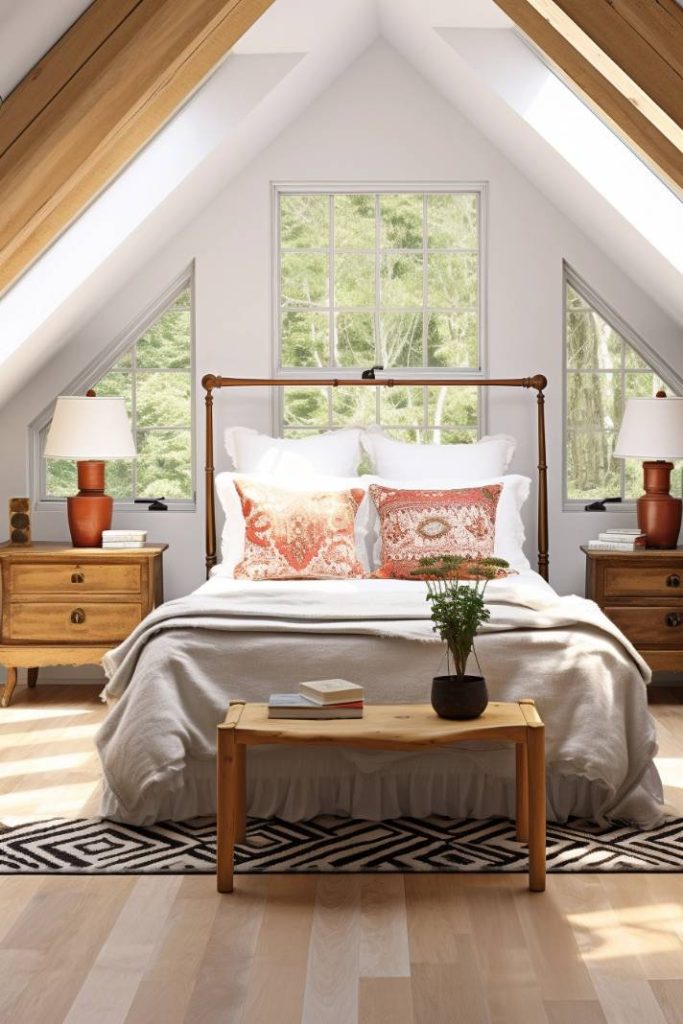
pixel 54 549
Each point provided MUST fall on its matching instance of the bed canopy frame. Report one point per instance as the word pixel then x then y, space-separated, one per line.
pixel 212 382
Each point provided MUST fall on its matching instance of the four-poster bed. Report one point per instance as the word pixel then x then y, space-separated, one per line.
pixel 245 638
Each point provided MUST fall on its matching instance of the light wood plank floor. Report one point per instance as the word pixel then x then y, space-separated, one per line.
pixel 319 950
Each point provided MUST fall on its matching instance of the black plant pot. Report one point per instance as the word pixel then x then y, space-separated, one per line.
pixel 459 698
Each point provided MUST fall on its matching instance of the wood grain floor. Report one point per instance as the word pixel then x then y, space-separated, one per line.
pixel 320 950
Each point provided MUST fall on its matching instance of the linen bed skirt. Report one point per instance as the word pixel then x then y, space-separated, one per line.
pixel 296 785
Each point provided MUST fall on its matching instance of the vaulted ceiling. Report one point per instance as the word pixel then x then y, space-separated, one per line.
pixel 470 51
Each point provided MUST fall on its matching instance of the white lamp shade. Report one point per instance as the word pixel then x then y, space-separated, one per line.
pixel 652 428
pixel 90 428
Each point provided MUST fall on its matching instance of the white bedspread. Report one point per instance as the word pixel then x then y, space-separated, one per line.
pixel 173 678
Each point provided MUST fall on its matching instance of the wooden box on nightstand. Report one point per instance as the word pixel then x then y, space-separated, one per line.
pixel 642 593
pixel 68 606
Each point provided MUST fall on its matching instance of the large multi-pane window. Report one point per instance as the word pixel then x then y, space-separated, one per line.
pixel 154 375
pixel 380 278
pixel 603 369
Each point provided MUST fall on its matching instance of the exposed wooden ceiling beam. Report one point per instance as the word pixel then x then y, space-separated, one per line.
pixel 59 65
pixel 103 91
pixel 626 59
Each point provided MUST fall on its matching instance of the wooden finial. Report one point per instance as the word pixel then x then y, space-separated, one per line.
pixel 90 393
pixel 661 393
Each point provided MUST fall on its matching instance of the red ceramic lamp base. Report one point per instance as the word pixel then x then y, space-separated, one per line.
pixel 90 511
pixel 659 515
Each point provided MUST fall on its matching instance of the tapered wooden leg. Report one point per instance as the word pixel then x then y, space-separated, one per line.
pixel 537 825
pixel 33 677
pixel 9 687
pixel 522 784
pixel 226 768
pixel 241 794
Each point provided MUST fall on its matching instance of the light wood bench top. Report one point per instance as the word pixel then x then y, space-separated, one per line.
pixel 397 726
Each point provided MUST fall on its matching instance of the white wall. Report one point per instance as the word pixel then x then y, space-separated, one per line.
pixel 380 121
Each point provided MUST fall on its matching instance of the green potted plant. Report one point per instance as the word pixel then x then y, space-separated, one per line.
pixel 457 610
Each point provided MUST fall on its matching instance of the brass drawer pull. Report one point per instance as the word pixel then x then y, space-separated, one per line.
pixel 674 619
pixel 78 616
pixel 78 577
pixel 673 580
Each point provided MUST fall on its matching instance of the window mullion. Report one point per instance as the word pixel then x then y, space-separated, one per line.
pixel 425 285
pixel 331 280
pixel 134 416
pixel 332 353
pixel 379 358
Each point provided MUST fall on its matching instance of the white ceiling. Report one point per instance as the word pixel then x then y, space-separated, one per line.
pixel 28 28
pixel 257 92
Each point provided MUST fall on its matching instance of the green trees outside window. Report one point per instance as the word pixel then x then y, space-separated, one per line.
pixel 154 377
pixel 603 369
pixel 380 278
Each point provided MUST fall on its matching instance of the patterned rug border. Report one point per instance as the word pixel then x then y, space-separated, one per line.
pixel 328 845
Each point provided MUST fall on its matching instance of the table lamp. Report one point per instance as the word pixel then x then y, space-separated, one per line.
pixel 90 430
pixel 652 429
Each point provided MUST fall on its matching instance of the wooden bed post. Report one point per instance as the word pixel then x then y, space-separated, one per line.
pixel 208 383
pixel 538 382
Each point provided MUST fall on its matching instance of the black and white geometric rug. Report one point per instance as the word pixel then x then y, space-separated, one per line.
pixel 328 844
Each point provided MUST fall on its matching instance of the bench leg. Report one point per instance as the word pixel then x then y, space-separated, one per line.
pixel 226 807
pixel 522 784
pixel 241 793
pixel 9 687
pixel 537 824
pixel 33 677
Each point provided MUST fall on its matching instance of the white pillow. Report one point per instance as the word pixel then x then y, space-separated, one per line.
pixel 509 537
pixel 335 453
pixel 404 460
pixel 232 537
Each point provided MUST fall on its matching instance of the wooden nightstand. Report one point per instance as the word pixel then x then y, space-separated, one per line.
pixel 642 593
pixel 69 606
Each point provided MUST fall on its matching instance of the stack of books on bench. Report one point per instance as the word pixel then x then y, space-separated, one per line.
pixel 623 538
pixel 319 698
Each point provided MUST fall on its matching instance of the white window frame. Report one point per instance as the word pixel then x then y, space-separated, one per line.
pixel 93 372
pixel 374 188
pixel 658 366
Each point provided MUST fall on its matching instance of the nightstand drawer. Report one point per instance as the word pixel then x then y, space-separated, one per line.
pixel 646 627
pixel 73 622
pixel 65 578
pixel 642 581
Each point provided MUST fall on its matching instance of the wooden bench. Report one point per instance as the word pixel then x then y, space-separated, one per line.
pixel 383 727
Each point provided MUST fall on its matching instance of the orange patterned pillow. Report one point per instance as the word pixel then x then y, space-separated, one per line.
pixel 297 534
pixel 419 524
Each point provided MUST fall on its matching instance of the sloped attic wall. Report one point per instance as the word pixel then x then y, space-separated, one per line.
pixel 379 122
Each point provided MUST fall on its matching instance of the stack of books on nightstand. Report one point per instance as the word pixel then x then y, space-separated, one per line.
pixel 623 538
pixel 319 698
pixel 119 539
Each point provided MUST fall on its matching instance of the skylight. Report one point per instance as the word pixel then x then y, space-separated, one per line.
pixel 608 164
pixel 526 84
